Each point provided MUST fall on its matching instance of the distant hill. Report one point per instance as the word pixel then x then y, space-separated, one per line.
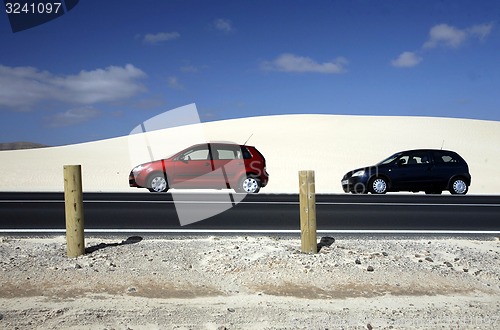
pixel 20 145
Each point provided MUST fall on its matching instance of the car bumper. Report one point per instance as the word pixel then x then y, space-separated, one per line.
pixel 264 180
pixel 354 184
pixel 131 180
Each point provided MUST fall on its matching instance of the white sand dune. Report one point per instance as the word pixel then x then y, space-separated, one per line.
pixel 329 144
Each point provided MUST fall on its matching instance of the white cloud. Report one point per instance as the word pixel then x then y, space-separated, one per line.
pixel 480 31
pixel 21 88
pixel 444 35
pixel 160 37
pixel 173 82
pixel 72 117
pixel 294 63
pixel 406 60
pixel 223 25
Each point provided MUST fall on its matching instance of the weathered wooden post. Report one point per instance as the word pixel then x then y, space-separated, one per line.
pixel 73 201
pixel 307 212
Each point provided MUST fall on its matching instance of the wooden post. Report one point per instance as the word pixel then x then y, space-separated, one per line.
pixel 73 201
pixel 307 212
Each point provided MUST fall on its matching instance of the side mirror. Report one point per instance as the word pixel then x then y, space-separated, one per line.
pixel 183 158
pixel 401 162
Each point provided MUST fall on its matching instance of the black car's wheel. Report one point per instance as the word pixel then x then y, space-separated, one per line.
pixel 157 183
pixel 248 185
pixel 378 186
pixel 458 186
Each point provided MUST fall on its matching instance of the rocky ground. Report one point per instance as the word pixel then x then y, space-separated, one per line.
pixel 251 282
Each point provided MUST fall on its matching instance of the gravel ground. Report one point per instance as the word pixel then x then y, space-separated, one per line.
pixel 254 282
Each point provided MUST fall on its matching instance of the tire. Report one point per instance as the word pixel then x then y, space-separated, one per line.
pixel 359 189
pixel 458 186
pixel 248 185
pixel 378 186
pixel 157 183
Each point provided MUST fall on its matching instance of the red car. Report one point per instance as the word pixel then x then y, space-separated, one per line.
pixel 208 165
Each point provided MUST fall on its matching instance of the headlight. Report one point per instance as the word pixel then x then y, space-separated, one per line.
pixel 138 168
pixel 359 173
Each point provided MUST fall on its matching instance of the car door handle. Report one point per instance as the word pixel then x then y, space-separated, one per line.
pixel 207 164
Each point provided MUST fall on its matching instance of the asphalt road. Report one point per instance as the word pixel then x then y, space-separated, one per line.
pixel 147 212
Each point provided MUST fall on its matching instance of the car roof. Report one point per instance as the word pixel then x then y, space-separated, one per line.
pixel 424 150
pixel 219 143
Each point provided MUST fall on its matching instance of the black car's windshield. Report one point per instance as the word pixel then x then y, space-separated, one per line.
pixel 389 159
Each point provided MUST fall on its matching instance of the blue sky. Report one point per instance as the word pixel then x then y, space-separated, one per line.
pixel 106 66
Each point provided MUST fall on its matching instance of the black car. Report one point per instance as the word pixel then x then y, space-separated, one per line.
pixel 426 170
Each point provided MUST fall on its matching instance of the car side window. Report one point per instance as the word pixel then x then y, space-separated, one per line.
pixel 403 160
pixel 228 154
pixel 200 153
pixel 415 158
pixel 442 157
pixel 418 158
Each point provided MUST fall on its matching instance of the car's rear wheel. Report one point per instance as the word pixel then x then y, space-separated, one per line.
pixel 378 186
pixel 157 183
pixel 458 186
pixel 249 185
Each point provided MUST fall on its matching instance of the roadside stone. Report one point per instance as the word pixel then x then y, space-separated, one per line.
pixel 448 264
pixel 190 272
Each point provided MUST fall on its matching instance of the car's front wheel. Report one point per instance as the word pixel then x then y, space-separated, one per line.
pixel 157 183
pixel 248 185
pixel 378 186
pixel 458 187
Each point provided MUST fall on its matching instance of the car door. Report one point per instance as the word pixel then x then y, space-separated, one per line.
pixel 228 163
pixel 445 166
pixel 192 168
pixel 412 171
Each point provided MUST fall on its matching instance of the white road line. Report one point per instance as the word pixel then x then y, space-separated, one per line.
pixel 256 231
pixel 264 203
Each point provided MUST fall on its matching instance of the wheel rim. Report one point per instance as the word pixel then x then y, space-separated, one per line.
pixel 158 184
pixel 250 185
pixel 379 186
pixel 459 186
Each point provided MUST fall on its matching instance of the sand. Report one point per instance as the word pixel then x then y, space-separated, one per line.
pixel 249 282
pixel 331 145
